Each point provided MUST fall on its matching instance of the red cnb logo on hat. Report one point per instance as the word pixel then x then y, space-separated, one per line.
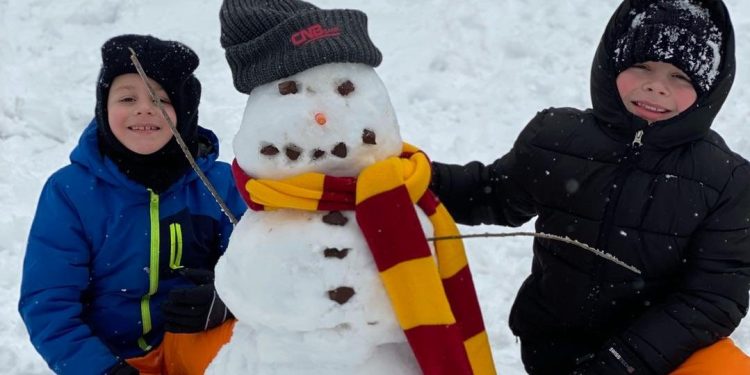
pixel 313 33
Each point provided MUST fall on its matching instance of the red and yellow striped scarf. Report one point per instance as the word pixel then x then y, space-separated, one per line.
pixel 435 302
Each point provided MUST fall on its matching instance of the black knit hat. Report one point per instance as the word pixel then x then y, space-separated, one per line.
pixel 171 64
pixel 266 40
pixel 679 32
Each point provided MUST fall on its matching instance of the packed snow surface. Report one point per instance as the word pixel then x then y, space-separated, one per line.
pixel 464 78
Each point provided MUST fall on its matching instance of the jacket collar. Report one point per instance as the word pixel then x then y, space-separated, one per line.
pixel 87 154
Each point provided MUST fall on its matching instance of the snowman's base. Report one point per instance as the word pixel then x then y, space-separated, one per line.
pixel 252 353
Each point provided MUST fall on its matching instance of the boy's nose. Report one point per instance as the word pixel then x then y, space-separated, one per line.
pixel 146 106
pixel 656 86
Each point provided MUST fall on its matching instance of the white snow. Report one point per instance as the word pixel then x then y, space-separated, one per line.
pixel 464 78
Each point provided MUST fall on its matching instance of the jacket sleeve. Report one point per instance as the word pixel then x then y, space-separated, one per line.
pixel 55 276
pixel 712 297
pixel 488 194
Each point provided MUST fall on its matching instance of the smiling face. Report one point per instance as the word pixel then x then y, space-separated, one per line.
pixel 134 118
pixel 333 119
pixel 655 91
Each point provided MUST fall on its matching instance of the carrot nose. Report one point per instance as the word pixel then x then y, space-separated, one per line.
pixel 320 118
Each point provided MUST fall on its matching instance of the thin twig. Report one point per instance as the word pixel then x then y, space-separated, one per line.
pixel 180 141
pixel 568 240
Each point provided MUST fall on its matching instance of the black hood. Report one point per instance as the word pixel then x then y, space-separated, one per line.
pixel 690 125
pixel 171 64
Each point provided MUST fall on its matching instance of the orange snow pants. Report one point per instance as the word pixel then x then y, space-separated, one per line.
pixel 184 354
pixel 190 354
pixel 721 358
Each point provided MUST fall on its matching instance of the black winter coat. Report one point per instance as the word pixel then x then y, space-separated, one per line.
pixel 669 198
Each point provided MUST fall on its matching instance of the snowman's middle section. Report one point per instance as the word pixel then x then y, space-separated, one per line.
pixel 308 279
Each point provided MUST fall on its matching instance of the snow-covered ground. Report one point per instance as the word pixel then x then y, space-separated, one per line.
pixel 464 77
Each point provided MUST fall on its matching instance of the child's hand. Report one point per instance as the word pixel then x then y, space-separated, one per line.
pixel 195 309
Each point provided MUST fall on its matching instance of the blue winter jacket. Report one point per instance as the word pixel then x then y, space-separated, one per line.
pixel 103 252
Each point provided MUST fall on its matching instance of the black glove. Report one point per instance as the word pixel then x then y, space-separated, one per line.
pixel 613 359
pixel 195 309
pixel 122 368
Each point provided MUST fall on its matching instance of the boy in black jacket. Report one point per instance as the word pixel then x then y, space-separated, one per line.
pixel 643 177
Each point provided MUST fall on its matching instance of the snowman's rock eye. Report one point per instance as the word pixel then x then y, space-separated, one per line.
pixel 287 87
pixel 345 88
pixel 368 137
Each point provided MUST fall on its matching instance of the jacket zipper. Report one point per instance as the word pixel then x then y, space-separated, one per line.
pixel 624 171
pixel 622 174
pixel 153 270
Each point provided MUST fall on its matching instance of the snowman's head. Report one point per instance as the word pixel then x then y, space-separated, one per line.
pixel 333 119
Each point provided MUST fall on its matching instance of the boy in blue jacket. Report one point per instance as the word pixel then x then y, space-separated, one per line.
pixel 128 221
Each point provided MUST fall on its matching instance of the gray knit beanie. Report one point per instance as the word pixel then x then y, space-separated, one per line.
pixel 266 40
pixel 679 32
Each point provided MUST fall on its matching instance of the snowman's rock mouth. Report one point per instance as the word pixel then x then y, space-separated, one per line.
pixel 317 154
pixel 293 151
pixel 269 150
pixel 340 150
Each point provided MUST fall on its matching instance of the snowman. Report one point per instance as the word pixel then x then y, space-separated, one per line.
pixel 330 271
